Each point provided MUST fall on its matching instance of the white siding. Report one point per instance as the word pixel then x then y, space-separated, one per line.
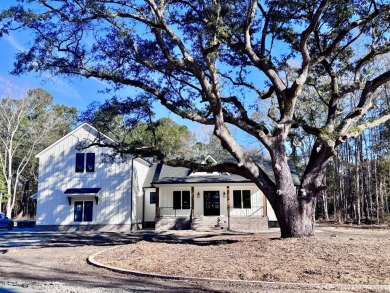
pixel 271 213
pixel 257 202
pixel 140 172
pixel 166 199
pixel 57 173
pixel 150 209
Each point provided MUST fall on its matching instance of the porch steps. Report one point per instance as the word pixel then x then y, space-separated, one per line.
pixel 209 223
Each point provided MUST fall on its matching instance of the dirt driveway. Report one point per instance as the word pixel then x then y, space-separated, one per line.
pixel 56 262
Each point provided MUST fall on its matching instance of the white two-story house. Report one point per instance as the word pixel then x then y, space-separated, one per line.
pixel 80 189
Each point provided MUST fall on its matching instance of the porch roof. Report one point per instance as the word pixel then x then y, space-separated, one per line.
pixel 164 174
pixel 76 192
pixel 82 191
pixel 203 179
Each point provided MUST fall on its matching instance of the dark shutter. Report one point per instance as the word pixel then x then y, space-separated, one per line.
pixel 177 200
pixel 237 199
pixel 186 204
pixel 79 162
pixel 153 196
pixel 90 167
pixel 78 211
pixel 246 199
pixel 88 209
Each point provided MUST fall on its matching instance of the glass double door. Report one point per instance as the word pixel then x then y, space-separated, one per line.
pixel 211 203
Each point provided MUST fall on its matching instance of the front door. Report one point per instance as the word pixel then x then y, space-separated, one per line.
pixel 211 203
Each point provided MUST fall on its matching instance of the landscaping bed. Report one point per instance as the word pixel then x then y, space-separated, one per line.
pixel 342 255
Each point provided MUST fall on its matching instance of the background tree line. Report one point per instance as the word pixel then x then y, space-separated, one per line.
pixel 358 178
pixel 29 122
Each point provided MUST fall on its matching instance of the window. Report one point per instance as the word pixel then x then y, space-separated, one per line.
pixel 242 199
pixel 185 199
pixel 181 200
pixel 79 163
pixel 88 208
pixel 153 197
pixel 83 211
pixel 90 162
pixel 85 162
pixel 237 199
pixel 246 199
pixel 177 200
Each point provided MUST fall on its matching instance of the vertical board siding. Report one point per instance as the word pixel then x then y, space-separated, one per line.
pixel 150 209
pixel 257 200
pixel 57 173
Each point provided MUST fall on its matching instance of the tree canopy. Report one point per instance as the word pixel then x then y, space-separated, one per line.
pixel 262 66
pixel 136 129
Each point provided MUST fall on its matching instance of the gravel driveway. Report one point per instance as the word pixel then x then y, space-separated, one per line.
pixel 56 262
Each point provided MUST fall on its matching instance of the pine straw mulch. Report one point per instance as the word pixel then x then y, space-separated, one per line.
pixel 340 255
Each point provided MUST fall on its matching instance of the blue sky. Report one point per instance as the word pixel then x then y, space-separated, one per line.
pixel 74 92
pixel 71 92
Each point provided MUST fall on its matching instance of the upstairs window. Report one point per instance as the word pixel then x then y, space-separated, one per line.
pixel 85 162
pixel 90 162
pixel 79 162
pixel 181 200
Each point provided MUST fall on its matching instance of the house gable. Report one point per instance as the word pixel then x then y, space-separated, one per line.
pixel 83 132
pixel 81 188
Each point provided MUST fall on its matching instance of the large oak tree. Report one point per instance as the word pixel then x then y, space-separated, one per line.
pixel 211 61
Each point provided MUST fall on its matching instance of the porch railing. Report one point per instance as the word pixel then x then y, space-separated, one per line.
pixel 169 211
pixel 247 212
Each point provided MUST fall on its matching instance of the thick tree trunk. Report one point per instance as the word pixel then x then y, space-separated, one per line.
pixel 294 210
pixel 296 216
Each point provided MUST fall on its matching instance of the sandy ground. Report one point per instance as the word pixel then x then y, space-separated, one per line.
pixel 56 262
pixel 346 256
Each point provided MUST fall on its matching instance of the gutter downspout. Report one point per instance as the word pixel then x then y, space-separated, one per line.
pixel 143 208
pixel 228 205
pixel 131 194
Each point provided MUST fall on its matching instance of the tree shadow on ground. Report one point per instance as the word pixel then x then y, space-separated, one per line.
pixel 80 238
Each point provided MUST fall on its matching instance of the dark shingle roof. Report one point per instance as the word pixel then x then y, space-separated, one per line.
pixel 164 174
